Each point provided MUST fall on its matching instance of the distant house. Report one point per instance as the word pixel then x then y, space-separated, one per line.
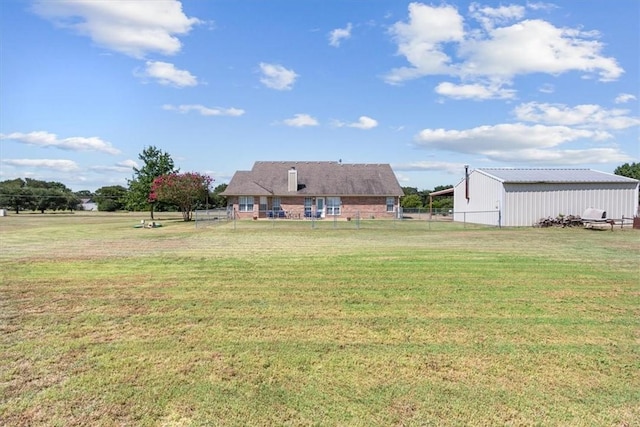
pixel 314 190
pixel 521 197
pixel 88 205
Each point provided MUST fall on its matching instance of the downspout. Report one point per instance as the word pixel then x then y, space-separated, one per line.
pixel 466 182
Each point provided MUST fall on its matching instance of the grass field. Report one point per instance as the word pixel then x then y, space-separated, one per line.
pixel 104 324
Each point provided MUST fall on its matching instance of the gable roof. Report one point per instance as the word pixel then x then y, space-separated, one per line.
pixel 315 178
pixel 531 176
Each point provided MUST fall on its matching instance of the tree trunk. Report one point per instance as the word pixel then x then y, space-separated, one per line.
pixel 186 214
pixel 151 210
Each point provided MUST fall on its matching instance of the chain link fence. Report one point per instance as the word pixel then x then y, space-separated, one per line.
pixel 212 217
pixel 407 218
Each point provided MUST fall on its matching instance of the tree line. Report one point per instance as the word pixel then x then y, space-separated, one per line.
pixel 419 199
pixel 156 186
pixel 31 194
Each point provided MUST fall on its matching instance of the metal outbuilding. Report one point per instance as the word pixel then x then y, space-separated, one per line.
pixel 520 197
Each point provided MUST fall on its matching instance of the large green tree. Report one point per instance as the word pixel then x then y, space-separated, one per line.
pixel 155 163
pixel 84 194
pixel 412 201
pixel 51 195
pixel 14 195
pixel 111 198
pixel 414 198
pixel 33 194
pixel 215 199
pixel 629 170
pixel 184 190
pixel 409 190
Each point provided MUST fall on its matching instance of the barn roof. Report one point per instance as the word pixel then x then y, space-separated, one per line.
pixel 530 176
pixel 316 178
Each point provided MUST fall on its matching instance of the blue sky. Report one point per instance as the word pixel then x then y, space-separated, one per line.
pixel 85 85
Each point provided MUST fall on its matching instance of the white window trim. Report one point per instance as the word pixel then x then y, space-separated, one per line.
pixel 392 204
pixel 276 204
pixel 246 203
pixel 333 209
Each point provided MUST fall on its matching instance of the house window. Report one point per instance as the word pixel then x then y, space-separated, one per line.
pixel 245 203
pixel 333 205
pixel 275 203
pixel 308 206
pixel 263 203
pixel 390 204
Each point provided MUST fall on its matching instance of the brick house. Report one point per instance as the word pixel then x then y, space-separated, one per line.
pixel 314 190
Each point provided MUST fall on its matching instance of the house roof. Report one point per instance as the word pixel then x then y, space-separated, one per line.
pixel 315 178
pixel 530 176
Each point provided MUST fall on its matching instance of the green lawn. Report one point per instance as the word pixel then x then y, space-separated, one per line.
pixel 281 324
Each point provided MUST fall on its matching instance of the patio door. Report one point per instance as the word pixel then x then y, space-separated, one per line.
pixel 320 207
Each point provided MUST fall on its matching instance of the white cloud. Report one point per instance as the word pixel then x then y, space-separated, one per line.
pixel 489 17
pixel 586 116
pixel 205 111
pixel 402 178
pixel 448 167
pixel 167 74
pixel 277 77
pixel 535 46
pixel 474 91
pixel 53 164
pixel 561 157
pixel 520 143
pixel 541 6
pixel 624 98
pixel 301 120
pixel 436 41
pixel 421 41
pixel 363 122
pixel 336 36
pixel 130 164
pixel 74 143
pixel 547 88
pixel 503 137
pixel 120 167
pixel 133 27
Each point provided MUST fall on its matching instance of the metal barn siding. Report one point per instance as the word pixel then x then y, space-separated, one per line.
pixel 486 195
pixel 525 204
pixel 526 196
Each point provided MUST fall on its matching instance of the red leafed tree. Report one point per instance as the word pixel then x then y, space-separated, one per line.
pixel 183 190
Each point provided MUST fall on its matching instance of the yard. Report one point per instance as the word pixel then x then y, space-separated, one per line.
pixel 105 324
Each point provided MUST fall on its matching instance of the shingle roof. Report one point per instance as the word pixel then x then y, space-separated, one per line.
pixel 552 175
pixel 316 178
